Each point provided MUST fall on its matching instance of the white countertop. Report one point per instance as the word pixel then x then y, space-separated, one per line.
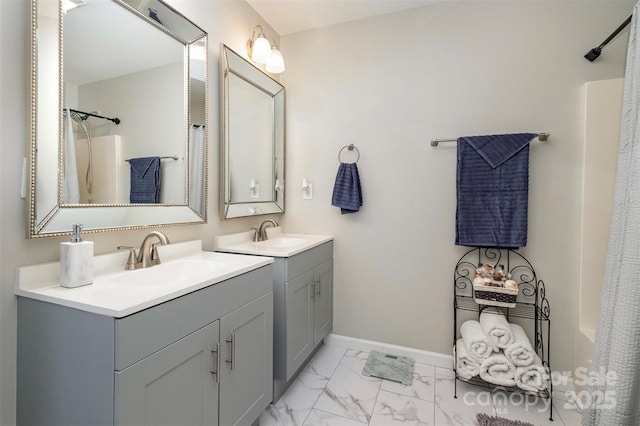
pixel 278 244
pixel 109 295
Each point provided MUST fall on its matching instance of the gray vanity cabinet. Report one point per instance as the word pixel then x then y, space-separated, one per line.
pixel 157 366
pixel 246 379
pixel 303 309
pixel 298 301
pixel 148 392
pixel 322 301
pixel 183 375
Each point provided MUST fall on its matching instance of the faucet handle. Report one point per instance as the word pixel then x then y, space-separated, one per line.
pixel 132 261
pixel 255 234
pixel 155 257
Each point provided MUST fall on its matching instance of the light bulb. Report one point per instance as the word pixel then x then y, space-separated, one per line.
pixel 276 62
pixel 261 51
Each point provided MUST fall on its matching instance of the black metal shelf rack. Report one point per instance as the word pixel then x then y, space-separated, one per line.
pixel 532 307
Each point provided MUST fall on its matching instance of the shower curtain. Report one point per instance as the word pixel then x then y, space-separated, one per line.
pixel 70 188
pixel 196 168
pixel 616 355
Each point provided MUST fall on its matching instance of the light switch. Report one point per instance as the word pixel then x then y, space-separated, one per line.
pixel 307 189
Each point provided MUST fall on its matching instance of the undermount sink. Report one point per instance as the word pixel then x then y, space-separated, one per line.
pixel 169 273
pixel 278 244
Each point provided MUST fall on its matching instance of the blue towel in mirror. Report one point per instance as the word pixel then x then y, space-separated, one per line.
pixel 347 192
pixel 492 183
pixel 145 180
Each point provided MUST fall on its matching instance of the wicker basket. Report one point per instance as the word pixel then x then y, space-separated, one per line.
pixel 495 296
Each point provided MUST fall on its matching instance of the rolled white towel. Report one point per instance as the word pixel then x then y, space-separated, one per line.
pixel 534 377
pixel 466 366
pixel 496 328
pixel 520 352
pixel 497 369
pixel 477 344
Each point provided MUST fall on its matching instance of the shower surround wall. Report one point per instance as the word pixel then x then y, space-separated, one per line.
pixel 108 168
pixel 387 84
pixel 602 113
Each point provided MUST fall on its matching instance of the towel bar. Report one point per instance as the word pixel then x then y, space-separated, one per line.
pixel 350 147
pixel 172 157
pixel 542 137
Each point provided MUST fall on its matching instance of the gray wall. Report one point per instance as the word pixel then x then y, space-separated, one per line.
pixel 442 70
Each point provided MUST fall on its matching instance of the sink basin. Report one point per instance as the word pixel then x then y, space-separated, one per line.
pixel 185 268
pixel 169 273
pixel 278 244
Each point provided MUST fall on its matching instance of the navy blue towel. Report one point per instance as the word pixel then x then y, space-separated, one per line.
pixel 145 180
pixel 492 183
pixel 347 192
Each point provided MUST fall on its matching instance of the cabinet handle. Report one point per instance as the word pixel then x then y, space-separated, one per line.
pixel 313 290
pixel 319 288
pixel 216 371
pixel 232 360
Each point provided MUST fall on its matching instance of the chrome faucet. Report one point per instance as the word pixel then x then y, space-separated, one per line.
pixel 262 229
pixel 148 253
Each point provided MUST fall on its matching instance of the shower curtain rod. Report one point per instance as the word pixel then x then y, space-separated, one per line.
pixel 593 54
pixel 542 136
pixel 87 114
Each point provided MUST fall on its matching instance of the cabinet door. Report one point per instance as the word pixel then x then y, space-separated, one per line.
pixel 299 295
pixel 323 301
pixel 246 382
pixel 173 386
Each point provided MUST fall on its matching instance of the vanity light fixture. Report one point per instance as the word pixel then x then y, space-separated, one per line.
pixel 262 51
pixel 275 64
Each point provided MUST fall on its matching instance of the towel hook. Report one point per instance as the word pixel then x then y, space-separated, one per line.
pixel 349 147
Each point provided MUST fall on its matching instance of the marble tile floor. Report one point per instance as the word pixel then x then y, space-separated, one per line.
pixel 331 391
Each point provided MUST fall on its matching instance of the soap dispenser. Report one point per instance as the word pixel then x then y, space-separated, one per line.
pixel 76 260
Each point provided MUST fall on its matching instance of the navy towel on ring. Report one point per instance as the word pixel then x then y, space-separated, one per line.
pixel 492 183
pixel 145 180
pixel 347 192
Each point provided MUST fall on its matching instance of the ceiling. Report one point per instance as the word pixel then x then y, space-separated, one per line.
pixel 291 16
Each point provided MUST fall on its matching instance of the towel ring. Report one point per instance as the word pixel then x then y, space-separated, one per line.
pixel 350 147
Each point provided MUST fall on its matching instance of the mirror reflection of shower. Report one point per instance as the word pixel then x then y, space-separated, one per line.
pixel 89 173
pixel 98 158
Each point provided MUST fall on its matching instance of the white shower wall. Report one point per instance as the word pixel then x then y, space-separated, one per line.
pixel 602 109
pixel 110 183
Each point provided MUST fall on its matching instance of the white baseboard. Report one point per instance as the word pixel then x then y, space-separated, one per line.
pixel 420 356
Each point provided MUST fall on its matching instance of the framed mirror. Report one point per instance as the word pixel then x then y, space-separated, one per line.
pixel 252 132
pixel 119 111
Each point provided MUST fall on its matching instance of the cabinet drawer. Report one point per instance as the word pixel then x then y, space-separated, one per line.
pixel 143 333
pixel 306 260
